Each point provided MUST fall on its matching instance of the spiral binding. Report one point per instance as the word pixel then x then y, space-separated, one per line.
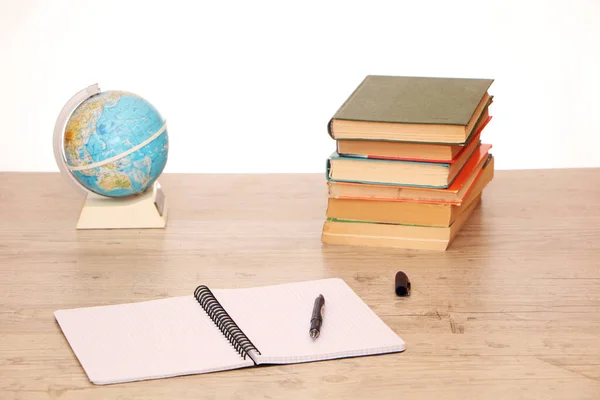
pixel 223 321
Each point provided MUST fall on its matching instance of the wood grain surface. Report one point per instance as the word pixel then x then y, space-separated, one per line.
pixel 510 311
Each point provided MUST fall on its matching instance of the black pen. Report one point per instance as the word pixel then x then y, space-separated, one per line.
pixel 316 321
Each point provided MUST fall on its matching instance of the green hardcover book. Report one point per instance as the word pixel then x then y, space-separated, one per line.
pixel 412 109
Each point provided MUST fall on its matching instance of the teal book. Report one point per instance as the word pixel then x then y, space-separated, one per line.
pixel 395 172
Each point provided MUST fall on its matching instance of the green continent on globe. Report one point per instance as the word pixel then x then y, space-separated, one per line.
pixel 100 132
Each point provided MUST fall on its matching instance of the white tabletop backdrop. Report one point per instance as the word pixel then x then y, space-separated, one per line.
pixel 248 86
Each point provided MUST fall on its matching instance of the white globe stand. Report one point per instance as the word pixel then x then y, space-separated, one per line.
pixel 146 210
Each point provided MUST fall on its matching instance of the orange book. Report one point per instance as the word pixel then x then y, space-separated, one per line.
pixel 408 212
pixel 454 194
pixel 395 235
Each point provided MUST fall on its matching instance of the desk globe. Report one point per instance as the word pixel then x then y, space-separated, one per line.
pixel 113 145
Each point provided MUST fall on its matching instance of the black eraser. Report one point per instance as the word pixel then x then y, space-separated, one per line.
pixel 402 284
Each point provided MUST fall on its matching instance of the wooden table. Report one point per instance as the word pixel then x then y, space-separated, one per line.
pixel 512 310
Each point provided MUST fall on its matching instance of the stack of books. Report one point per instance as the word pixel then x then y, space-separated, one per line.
pixel 410 166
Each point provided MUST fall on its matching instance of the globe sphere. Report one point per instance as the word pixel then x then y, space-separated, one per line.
pixel 116 144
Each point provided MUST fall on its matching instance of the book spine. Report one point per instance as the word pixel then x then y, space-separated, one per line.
pixel 330 128
pixel 328 169
pixel 224 322
pixel 487 161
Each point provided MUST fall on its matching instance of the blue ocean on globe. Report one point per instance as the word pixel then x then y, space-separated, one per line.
pixel 114 145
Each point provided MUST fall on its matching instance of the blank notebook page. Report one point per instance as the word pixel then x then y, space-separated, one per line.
pixel 147 340
pixel 277 320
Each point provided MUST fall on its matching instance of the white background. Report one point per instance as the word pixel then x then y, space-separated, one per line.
pixel 249 86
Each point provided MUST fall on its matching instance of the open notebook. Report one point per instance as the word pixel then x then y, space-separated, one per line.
pixel 223 329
